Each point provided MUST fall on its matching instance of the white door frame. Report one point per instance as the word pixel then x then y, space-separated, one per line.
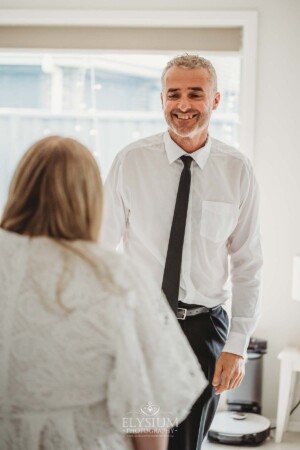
pixel 246 20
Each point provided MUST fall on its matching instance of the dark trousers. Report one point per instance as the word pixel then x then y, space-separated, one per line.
pixel 206 334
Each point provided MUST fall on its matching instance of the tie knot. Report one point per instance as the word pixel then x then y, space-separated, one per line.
pixel 187 161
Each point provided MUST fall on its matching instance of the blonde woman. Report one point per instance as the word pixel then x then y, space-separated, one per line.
pixel 86 344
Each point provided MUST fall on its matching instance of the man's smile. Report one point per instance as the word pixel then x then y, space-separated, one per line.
pixel 184 116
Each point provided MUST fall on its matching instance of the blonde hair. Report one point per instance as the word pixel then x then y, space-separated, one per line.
pixel 188 61
pixel 56 191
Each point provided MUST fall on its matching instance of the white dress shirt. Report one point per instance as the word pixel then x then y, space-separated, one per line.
pixel 222 225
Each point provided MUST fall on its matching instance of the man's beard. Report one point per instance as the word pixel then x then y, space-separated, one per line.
pixel 182 129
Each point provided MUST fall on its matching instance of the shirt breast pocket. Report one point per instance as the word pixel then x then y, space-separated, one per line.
pixel 218 220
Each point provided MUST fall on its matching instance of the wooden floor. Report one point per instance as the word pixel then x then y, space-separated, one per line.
pixel 291 441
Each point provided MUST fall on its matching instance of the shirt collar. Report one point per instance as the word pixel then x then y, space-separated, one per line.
pixel 174 151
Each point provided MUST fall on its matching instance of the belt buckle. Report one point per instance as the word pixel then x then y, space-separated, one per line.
pixel 181 313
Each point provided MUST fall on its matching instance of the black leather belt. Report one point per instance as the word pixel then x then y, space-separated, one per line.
pixel 183 313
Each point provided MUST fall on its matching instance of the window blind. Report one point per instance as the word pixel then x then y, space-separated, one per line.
pixel 121 38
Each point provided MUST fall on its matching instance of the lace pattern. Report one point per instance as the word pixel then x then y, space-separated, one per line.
pixel 72 372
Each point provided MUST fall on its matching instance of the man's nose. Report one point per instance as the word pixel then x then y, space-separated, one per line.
pixel 184 104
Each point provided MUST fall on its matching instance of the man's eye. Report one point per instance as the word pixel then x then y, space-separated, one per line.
pixel 196 96
pixel 173 96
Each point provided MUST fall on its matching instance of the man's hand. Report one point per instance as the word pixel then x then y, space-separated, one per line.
pixel 229 372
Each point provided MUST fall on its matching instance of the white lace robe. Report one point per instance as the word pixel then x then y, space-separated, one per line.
pixel 70 375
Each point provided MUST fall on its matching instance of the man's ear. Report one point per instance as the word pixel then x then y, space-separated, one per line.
pixel 162 100
pixel 216 100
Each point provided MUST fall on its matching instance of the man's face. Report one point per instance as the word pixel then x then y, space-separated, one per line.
pixel 188 98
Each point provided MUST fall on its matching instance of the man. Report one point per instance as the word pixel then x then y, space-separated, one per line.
pixel 147 180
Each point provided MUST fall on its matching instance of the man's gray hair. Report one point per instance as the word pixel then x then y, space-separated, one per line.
pixel 188 61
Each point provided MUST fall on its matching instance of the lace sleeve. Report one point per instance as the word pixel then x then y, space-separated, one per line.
pixel 155 373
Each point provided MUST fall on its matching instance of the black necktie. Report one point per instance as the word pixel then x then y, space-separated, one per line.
pixel 171 278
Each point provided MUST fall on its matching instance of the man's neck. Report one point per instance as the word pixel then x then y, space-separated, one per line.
pixel 190 144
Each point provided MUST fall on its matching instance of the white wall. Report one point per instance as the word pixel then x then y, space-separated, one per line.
pixel 277 155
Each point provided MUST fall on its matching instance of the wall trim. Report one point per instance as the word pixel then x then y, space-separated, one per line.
pixel 150 18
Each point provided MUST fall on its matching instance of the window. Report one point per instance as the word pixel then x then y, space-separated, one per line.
pixel 106 101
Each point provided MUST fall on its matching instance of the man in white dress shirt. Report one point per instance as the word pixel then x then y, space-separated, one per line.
pixel 221 232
